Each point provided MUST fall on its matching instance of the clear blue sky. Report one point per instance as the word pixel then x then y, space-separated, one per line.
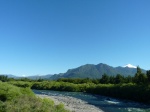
pixel 52 36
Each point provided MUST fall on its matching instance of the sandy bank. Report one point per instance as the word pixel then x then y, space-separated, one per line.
pixel 72 104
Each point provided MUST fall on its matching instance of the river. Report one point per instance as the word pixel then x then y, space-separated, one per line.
pixel 107 104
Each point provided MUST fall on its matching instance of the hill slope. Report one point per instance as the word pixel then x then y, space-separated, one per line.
pixel 96 71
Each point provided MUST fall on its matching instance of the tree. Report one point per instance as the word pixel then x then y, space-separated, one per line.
pixel 139 71
pixel 112 79
pixel 128 79
pixel 136 77
pixel 140 78
pixel 104 79
pixel 119 79
pixel 148 75
pixel 3 78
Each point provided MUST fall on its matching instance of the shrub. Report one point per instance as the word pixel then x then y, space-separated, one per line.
pixel 20 99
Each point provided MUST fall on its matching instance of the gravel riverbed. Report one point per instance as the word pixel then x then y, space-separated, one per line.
pixel 72 104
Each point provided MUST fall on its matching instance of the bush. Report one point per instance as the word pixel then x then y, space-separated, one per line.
pixel 26 103
pixel 23 84
pixel 18 99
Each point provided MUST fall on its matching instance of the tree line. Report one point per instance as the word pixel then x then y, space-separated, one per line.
pixel 138 78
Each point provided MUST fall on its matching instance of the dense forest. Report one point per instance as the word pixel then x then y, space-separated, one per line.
pixel 14 92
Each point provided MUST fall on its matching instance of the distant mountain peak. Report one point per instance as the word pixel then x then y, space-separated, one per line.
pixel 130 66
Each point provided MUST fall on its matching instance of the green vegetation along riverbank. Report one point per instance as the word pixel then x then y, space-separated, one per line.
pixel 18 99
pixel 130 91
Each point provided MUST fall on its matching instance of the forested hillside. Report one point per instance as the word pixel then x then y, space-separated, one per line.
pixel 96 71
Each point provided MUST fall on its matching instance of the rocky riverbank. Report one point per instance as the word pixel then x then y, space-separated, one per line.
pixel 72 104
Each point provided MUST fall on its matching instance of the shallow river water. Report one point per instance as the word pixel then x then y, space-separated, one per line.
pixel 107 104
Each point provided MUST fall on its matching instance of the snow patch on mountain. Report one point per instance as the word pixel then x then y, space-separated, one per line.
pixel 130 66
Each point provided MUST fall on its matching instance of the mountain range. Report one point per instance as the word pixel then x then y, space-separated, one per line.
pixel 96 71
pixel 89 71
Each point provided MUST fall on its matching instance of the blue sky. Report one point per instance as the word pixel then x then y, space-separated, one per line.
pixel 52 36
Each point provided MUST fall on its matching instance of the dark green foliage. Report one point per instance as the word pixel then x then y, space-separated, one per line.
pixel 40 80
pixel 128 79
pixel 105 79
pixel 139 71
pixel 23 84
pixel 3 78
pixel 148 76
pixel 128 91
pixel 77 80
pixel 140 78
pixel 112 80
pixel 25 79
pixel 131 91
pixel 61 86
pixel 119 79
